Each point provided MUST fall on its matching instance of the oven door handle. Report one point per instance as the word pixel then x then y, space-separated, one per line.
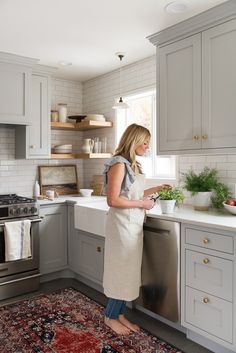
pixel 32 221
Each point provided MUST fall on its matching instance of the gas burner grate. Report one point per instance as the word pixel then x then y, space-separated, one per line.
pixel 13 199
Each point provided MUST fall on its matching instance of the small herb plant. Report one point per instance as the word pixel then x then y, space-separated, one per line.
pixel 171 194
pixel 206 180
pixel 220 195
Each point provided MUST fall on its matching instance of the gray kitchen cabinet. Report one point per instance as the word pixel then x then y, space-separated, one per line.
pixel 53 238
pixel 34 141
pixel 90 256
pixel 15 89
pixel 196 84
pixel 208 283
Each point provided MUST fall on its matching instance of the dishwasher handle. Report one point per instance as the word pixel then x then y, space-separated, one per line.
pixel 156 230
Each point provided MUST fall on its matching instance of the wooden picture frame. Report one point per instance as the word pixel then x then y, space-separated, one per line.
pixel 61 178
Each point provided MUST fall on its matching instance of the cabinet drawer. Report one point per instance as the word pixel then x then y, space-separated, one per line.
pixel 209 314
pixel 210 274
pixel 214 241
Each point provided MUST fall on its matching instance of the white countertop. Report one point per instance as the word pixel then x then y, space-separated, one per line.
pixel 186 214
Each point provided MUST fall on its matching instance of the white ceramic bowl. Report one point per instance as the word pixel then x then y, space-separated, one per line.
pixel 95 117
pixel 231 209
pixel 86 192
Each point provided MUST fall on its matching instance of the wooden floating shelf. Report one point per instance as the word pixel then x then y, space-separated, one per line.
pixel 80 155
pixel 83 125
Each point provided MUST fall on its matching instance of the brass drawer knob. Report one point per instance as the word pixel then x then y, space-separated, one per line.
pixel 206 260
pixel 196 137
pixel 32 146
pixel 206 240
pixel 205 300
pixel 99 249
pixel 204 137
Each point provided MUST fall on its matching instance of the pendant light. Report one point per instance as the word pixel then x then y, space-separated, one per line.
pixel 120 104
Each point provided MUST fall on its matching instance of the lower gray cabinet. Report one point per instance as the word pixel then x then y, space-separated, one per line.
pixel 90 256
pixel 53 238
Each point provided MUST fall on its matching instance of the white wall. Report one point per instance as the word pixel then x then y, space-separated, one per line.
pixel 99 96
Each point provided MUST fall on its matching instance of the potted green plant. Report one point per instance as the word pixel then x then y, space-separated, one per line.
pixel 169 198
pixel 201 186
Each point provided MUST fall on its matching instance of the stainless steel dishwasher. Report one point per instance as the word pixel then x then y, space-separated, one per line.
pixel 160 288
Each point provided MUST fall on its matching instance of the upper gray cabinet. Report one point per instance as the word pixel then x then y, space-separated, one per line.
pixel 33 141
pixel 196 83
pixel 15 89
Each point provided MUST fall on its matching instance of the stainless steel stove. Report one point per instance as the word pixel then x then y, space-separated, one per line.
pixel 19 276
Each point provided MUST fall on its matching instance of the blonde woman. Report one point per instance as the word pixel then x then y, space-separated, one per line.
pixel 124 228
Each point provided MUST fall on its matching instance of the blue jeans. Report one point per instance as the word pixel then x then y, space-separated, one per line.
pixel 114 308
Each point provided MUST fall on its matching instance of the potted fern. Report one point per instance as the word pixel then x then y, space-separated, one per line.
pixel 169 198
pixel 201 186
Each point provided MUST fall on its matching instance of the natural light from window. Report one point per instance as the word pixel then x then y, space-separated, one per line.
pixel 142 111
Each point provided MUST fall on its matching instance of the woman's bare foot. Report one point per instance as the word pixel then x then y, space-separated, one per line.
pixel 117 326
pixel 128 324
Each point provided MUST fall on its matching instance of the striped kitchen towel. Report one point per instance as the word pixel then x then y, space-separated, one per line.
pixel 17 240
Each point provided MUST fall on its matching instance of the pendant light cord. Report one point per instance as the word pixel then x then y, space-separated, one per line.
pixel 120 57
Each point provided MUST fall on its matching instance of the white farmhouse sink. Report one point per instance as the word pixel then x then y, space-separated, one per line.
pixel 91 217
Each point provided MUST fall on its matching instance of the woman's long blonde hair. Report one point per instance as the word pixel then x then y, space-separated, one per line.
pixel 134 136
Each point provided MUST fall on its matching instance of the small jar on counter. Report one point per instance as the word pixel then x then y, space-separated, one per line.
pixel 54 116
pixel 62 112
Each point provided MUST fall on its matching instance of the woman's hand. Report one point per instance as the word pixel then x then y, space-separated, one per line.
pixel 147 204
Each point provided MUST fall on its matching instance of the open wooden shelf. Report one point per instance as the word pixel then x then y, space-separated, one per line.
pixel 80 155
pixel 83 125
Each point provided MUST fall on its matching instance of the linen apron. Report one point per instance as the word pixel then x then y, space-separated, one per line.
pixel 124 246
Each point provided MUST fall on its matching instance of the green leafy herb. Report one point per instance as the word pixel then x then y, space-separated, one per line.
pixel 171 194
pixel 221 194
pixel 202 182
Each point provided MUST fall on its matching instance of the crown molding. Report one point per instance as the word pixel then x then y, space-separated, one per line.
pixel 210 18
pixel 44 69
pixel 17 59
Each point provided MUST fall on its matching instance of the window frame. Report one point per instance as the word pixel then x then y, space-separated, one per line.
pixel 121 124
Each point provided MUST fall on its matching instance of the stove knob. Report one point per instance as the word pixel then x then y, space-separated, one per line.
pixel 12 211
pixel 18 211
pixel 33 209
pixel 26 210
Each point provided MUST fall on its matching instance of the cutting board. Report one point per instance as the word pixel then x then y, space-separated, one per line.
pixel 60 178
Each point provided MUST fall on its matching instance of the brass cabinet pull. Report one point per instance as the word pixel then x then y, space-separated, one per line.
pixel 206 260
pixel 204 137
pixel 99 249
pixel 196 137
pixel 205 300
pixel 32 146
pixel 206 240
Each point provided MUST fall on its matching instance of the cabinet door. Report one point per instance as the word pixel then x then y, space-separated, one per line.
pixel 73 242
pixel 219 86
pixel 39 131
pixel 33 141
pixel 180 95
pixel 91 256
pixel 15 94
pixel 53 238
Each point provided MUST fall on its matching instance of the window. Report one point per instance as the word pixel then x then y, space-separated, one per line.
pixel 142 111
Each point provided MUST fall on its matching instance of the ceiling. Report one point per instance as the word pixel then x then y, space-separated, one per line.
pixel 87 33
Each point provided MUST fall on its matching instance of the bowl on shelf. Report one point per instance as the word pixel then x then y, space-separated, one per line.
pixel 77 118
pixel 229 208
pixel 62 149
pixel 95 117
pixel 86 192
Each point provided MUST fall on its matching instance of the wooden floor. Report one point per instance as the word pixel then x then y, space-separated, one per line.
pixel 157 328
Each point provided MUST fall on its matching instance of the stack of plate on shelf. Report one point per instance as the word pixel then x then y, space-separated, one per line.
pixel 94 117
pixel 97 184
pixel 62 149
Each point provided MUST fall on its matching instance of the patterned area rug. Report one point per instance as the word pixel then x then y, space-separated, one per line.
pixel 66 321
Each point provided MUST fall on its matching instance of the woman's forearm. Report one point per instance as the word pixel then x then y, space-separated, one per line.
pixel 150 191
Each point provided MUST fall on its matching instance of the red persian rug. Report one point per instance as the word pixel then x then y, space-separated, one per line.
pixel 66 321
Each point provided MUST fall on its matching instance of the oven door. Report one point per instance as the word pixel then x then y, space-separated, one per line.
pixel 23 265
